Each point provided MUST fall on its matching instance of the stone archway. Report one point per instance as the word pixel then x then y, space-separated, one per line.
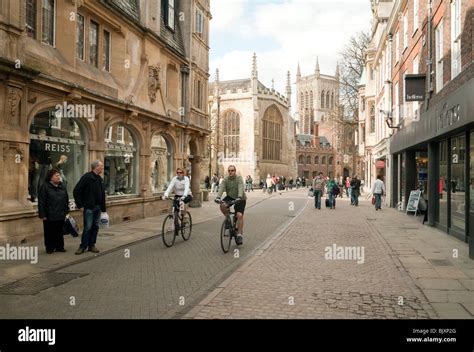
pixel 347 173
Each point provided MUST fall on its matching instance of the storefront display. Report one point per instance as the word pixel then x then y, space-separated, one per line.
pixel 422 173
pixel 120 162
pixel 55 142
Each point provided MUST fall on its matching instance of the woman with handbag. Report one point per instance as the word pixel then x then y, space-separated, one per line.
pixel 53 206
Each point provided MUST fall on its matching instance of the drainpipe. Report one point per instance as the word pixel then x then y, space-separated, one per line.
pixel 429 60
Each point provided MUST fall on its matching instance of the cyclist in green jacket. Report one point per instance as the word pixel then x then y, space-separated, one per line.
pixel 233 186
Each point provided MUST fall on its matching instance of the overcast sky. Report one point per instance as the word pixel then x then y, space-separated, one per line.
pixel 282 33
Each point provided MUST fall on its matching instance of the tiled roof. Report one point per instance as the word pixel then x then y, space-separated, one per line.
pixel 173 38
pixel 128 7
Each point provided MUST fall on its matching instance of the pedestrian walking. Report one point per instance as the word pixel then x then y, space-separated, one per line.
pixel 89 195
pixel 378 189
pixel 207 183
pixel 331 187
pixel 53 206
pixel 318 189
pixel 355 191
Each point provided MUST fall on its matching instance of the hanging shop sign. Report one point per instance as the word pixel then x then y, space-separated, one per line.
pixel 415 87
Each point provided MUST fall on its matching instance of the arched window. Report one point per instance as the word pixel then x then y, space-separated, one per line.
pixel 120 162
pixel 323 160
pixel 272 134
pixel 331 161
pixel 322 99
pixel 231 134
pixel 300 159
pixel 56 141
pixel 316 160
pixel 327 100
pixel 308 160
pixel 306 101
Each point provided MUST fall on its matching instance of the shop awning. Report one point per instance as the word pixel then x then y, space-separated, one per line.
pixel 380 164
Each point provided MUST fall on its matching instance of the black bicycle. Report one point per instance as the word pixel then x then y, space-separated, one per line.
pixel 178 221
pixel 229 227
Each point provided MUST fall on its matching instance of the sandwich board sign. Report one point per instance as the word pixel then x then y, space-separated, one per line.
pixel 413 201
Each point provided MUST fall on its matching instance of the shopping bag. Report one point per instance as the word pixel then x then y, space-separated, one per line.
pixel 71 227
pixel 104 220
pixel 310 192
pixel 373 200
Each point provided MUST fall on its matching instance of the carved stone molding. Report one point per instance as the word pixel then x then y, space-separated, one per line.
pixel 154 83
pixel 78 3
pixel 13 102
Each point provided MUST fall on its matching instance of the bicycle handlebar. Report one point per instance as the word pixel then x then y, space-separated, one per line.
pixel 228 204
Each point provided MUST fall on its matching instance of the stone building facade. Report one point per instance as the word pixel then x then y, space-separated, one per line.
pixel 317 129
pixel 252 128
pixel 117 80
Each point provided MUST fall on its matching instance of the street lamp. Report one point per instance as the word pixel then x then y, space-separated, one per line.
pixel 389 119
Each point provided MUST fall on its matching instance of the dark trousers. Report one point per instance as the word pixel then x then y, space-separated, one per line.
pixel 91 227
pixel 378 201
pixel 355 196
pixel 53 234
pixel 317 198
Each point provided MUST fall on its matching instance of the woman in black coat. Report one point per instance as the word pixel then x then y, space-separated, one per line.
pixel 53 206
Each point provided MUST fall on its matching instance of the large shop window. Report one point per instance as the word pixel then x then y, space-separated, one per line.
pixel 55 142
pixel 121 164
pixel 161 164
pixel 458 183
pixel 443 184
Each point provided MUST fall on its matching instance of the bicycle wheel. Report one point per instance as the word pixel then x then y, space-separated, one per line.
pixel 225 237
pixel 186 226
pixel 168 231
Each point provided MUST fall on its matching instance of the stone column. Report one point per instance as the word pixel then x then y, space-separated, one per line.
pixel 195 181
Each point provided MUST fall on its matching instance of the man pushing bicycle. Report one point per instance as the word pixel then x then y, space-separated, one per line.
pixel 233 186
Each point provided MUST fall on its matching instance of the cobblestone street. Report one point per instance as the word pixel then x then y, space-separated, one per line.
pixel 294 263
pixel 293 279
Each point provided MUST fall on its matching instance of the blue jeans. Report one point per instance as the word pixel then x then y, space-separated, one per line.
pixel 332 198
pixel 91 227
pixel 355 196
pixel 317 198
pixel 378 201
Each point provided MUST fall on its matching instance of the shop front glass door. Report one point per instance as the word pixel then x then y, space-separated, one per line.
pixel 443 184
pixel 458 183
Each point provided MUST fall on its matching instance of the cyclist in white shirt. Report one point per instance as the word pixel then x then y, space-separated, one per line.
pixel 180 185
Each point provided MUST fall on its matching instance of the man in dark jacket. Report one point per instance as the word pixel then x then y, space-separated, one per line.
pixel 355 191
pixel 89 195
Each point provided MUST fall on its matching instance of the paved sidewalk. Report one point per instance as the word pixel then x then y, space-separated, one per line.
pixel 109 240
pixel 408 271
